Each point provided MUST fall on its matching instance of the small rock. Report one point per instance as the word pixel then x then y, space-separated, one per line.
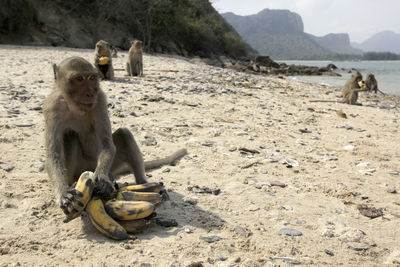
pixel 277 183
pixel 369 212
pixel 291 163
pixel 391 190
pixel 211 239
pixel 6 167
pixel 221 257
pixel 239 230
pixel 188 230
pixel 290 232
pixel 358 246
pixel 196 264
pixel 394 172
pixel 330 253
pixel 349 148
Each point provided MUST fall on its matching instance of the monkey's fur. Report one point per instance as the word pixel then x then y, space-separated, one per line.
pixel 371 83
pixel 350 90
pixel 134 66
pixel 78 135
pixel 114 51
pixel 106 71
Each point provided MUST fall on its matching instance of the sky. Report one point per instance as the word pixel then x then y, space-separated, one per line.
pixel 359 18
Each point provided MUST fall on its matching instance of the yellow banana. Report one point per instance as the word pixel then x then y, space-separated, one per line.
pixel 152 197
pixel 147 187
pixel 135 226
pixel 128 210
pixel 84 186
pixel 103 222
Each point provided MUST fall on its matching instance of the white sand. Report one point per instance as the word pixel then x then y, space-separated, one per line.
pixel 213 112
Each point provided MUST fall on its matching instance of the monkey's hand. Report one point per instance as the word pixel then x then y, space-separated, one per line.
pixel 103 186
pixel 68 199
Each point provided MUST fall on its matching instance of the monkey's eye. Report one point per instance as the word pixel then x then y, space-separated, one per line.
pixel 79 78
pixel 92 77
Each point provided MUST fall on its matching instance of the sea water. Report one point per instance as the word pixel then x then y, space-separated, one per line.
pixel 387 73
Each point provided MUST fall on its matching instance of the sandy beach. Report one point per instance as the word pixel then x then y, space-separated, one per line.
pixel 290 181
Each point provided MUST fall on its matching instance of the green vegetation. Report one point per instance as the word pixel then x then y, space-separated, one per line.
pixel 380 56
pixel 186 27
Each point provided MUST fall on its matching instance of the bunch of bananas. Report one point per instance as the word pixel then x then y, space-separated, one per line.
pixel 129 211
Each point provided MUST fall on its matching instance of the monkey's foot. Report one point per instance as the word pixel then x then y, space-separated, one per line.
pixel 103 188
pixel 68 199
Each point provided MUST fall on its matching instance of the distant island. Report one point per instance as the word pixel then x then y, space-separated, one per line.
pixel 280 34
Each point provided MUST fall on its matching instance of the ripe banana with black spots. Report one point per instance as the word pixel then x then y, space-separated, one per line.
pixel 135 226
pixel 84 186
pixel 128 210
pixel 152 197
pixel 147 187
pixel 103 222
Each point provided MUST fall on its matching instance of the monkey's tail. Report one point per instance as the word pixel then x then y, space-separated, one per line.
pixel 170 160
pixel 326 101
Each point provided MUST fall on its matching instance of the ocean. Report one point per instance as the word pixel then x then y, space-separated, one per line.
pixel 387 73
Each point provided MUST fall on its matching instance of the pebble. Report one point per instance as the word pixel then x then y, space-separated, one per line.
pixel 391 190
pixel 239 230
pixel 6 167
pixel 358 246
pixel 221 257
pixel 349 148
pixel 211 239
pixel 394 172
pixel 290 232
pixel 330 253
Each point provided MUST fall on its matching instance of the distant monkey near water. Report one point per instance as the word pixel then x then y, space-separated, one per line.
pixel 371 83
pixel 350 90
pixel 78 136
pixel 103 60
pixel 134 66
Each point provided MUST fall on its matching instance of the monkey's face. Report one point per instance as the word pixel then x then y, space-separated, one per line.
pixel 103 49
pixel 138 44
pixel 83 89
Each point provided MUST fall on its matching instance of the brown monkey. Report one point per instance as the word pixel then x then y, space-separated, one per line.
pixel 78 135
pixel 371 83
pixel 103 61
pixel 352 87
pixel 114 51
pixel 134 66
pixel 350 90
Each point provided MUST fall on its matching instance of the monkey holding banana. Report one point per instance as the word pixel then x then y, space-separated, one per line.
pixel 78 136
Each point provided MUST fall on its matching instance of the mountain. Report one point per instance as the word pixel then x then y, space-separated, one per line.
pixel 184 27
pixel 386 41
pixel 280 34
pixel 337 43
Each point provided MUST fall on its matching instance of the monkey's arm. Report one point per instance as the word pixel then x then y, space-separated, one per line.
pixel 55 165
pixel 104 185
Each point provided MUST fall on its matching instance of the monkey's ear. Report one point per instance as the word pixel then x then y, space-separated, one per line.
pixel 55 69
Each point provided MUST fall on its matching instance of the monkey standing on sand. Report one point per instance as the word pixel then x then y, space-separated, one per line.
pixel 103 61
pixel 78 136
pixel 134 66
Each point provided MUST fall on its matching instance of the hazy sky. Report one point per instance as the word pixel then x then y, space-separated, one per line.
pixel 359 18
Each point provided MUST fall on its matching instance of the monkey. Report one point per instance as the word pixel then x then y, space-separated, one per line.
pixel 103 61
pixel 134 66
pixel 78 136
pixel 350 90
pixel 372 83
pixel 114 51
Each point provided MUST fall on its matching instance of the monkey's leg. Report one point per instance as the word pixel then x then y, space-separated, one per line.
pixel 128 69
pixel 128 158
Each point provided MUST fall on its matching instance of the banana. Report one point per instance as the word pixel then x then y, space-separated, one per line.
pixel 152 197
pixel 135 226
pixel 128 210
pixel 84 186
pixel 103 222
pixel 147 187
